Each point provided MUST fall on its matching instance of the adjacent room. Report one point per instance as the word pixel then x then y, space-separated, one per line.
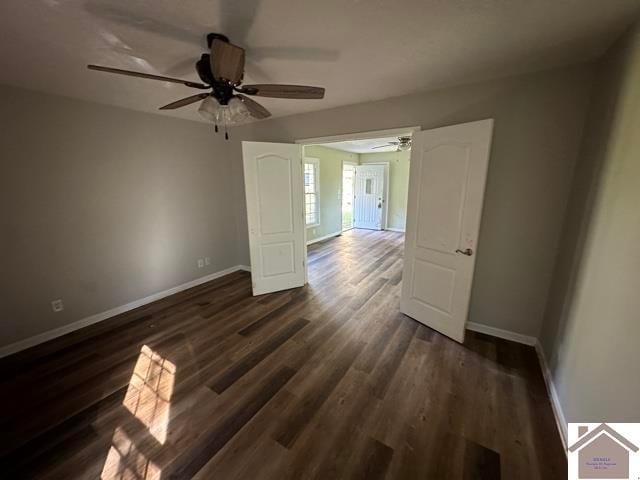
pixel 355 200
pixel 361 184
pixel 285 240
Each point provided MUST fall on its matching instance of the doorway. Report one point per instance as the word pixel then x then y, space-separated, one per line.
pixel 348 181
pixel 443 208
pixel 377 164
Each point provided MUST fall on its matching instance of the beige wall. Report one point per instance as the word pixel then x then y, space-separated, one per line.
pixel 538 126
pixel 101 206
pixel 592 325
pixel 330 189
pixel 398 184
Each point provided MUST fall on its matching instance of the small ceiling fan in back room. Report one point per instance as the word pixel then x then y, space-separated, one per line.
pixel 402 145
pixel 221 71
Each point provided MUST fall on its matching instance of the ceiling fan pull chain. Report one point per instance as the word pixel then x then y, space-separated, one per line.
pixel 215 127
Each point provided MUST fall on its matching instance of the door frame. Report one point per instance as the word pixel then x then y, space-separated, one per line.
pixel 353 164
pixel 359 135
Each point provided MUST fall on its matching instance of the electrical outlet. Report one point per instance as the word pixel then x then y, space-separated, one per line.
pixel 207 261
pixel 200 263
pixel 57 306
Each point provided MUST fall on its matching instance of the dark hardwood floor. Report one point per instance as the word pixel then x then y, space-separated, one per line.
pixel 328 381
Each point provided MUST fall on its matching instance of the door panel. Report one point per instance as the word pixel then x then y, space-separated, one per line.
pixel 273 188
pixel 446 192
pixel 441 195
pixel 369 196
pixel 433 284
pixel 273 178
pixel 277 259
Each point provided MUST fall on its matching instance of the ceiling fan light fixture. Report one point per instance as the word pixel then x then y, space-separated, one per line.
pixel 230 115
pixel 208 109
pixel 403 147
pixel 237 112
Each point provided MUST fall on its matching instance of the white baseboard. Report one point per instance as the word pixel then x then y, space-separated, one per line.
pixel 544 366
pixel 319 239
pixel 400 230
pixel 244 268
pixel 500 333
pixel 98 317
pixel 561 421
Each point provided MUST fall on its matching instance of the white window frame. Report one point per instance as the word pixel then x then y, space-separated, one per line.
pixel 316 163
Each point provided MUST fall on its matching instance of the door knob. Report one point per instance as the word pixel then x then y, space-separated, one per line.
pixel 468 252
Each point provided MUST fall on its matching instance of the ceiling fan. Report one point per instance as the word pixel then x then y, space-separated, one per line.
pixel 402 145
pixel 222 71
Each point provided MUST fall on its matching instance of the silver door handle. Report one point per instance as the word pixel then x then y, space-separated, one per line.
pixel 468 252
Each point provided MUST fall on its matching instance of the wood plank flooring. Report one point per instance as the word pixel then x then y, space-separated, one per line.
pixel 327 381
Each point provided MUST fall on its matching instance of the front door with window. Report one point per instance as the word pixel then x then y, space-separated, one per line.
pixel 369 197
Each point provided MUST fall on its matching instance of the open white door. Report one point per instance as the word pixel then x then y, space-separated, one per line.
pixel 446 191
pixel 368 197
pixel 273 188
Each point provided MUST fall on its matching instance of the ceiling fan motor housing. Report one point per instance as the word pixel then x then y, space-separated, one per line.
pixel 203 68
pixel 222 91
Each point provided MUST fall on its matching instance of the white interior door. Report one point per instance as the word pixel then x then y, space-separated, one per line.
pixel 369 197
pixel 446 191
pixel 273 189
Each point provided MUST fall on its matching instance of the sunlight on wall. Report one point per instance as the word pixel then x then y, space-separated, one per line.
pixel 148 399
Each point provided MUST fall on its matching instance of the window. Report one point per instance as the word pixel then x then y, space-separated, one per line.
pixel 311 202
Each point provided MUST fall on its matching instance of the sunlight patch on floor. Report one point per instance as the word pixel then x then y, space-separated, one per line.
pixel 126 462
pixel 149 394
pixel 148 399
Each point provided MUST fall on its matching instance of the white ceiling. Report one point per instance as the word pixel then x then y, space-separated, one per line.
pixel 365 146
pixel 359 50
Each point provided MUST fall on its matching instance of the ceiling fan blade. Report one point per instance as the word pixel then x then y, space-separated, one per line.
pixel 256 110
pixel 185 101
pixel 227 61
pixel 146 75
pixel 283 91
